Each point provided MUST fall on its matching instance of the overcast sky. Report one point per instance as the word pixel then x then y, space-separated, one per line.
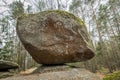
pixel 29 2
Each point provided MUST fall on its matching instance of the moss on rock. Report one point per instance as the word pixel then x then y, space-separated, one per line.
pixel 62 13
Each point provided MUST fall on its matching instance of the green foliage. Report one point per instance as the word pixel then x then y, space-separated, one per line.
pixel 7 50
pixel 102 18
pixel 16 9
pixel 113 76
pixel 119 45
pixel 4 24
pixel 98 49
pixel 75 4
pixel 41 5
pixel 103 70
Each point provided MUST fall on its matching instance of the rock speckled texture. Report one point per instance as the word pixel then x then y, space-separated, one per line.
pixel 73 74
pixel 54 37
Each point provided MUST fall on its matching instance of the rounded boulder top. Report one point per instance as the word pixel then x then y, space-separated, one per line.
pixel 54 37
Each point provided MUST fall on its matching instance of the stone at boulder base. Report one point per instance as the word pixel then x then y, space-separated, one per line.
pixel 72 74
pixel 6 65
pixel 54 37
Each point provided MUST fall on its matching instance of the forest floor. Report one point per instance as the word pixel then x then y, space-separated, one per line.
pixel 26 75
pixel 100 75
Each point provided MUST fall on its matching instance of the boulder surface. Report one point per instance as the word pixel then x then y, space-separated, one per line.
pixel 54 37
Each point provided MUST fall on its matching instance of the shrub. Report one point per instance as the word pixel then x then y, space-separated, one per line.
pixel 113 76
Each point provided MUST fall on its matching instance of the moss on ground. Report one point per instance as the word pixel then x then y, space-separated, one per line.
pixel 113 76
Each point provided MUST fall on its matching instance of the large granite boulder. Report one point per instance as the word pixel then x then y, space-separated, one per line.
pixel 6 65
pixel 54 37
